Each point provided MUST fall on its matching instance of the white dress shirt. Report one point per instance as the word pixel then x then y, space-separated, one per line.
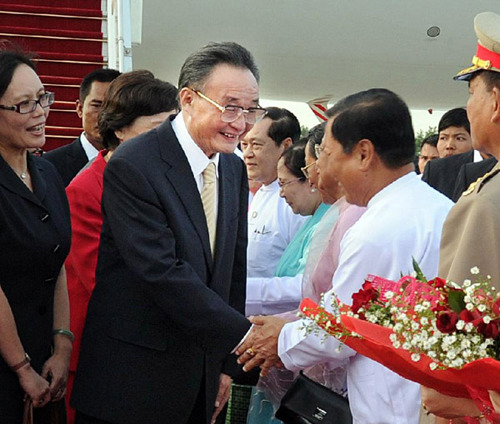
pixel 402 221
pixel 271 226
pixel 89 150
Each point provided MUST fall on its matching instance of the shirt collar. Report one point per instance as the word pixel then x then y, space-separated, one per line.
pixel 198 160
pixel 89 150
pixel 392 187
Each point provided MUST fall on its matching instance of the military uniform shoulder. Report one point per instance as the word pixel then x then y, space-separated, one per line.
pixel 481 182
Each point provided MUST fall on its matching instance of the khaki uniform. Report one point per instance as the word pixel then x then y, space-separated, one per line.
pixel 471 232
pixel 471 237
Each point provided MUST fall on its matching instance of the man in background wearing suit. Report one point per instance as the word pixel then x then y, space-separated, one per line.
pixel 469 173
pixel 71 158
pixel 455 149
pixel 168 305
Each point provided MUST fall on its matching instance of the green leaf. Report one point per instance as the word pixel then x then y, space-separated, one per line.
pixel 416 268
pixel 456 300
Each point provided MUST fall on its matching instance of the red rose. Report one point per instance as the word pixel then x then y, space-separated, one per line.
pixel 439 308
pixel 363 296
pixel 446 321
pixel 471 316
pixel 437 283
pixel 496 307
pixel 489 330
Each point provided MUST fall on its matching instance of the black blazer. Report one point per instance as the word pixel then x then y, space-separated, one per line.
pixel 35 237
pixel 163 316
pixel 469 173
pixel 68 160
pixel 442 173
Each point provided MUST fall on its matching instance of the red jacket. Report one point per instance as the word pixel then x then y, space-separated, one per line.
pixel 84 196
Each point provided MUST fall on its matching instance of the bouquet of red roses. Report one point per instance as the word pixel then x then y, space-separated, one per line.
pixel 435 333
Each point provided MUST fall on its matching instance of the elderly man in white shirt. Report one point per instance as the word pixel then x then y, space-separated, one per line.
pixel 271 222
pixel 368 147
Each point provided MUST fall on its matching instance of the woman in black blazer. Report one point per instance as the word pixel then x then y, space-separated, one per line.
pixel 35 342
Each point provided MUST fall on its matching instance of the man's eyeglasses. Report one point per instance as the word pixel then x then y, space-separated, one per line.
pixel 285 183
pixel 305 169
pixel 231 113
pixel 28 106
pixel 318 148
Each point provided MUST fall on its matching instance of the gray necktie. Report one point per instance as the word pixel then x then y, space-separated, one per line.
pixel 208 200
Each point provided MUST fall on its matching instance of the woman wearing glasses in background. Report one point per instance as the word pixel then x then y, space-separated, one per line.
pixel 35 341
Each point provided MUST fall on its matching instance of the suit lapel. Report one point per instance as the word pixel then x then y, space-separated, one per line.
pixel 180 175
pixel 39 184
pixel 225 206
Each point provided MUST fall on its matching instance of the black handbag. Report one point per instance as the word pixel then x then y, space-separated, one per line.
pixel 308 402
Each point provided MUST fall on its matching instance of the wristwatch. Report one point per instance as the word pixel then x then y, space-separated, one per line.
pixel 21 364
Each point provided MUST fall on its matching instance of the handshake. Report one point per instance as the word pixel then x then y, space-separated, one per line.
pixel 260 347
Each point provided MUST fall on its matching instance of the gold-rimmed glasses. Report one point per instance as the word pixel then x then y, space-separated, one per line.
pixel 318 149
pixel 231 113
pixel 285 183
pixel 305 169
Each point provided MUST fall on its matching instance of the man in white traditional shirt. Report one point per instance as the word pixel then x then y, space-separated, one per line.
pixel 271 222
pixel 369 148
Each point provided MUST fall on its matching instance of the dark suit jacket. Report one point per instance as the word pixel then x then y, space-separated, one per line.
pixel 469 173
pixel 442 173
pixel 35 235
pixel 68 160
pixel 163 316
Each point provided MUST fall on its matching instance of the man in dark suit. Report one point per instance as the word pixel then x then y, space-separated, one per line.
pixel 168 305
pixel 455 149
pixel 71 158
pixel 469 173
pixel 442 173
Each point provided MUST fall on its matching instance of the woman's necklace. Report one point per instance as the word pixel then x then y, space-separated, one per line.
pixel 23 175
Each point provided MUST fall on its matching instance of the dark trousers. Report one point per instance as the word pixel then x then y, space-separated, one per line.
pixel 85 419
pixel 197 414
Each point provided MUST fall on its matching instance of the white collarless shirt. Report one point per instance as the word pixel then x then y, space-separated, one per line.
pixel 271 226
pixel 402 221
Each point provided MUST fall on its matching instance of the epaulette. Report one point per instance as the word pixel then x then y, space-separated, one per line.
pixel 480 182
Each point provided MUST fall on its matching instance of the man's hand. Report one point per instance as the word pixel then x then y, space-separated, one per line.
pixel 446 406
pixel 222 395
pixel 260 348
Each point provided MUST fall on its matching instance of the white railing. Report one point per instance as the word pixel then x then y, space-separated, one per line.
pixel 121 34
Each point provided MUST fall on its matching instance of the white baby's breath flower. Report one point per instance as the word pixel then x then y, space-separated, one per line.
pixel 481 308
pixel 424 320
pixel 469 306
pixel 460 324
pixel 474 270
pixel 415 357
pixel 389 295
pixel 487 319
pixel 433 366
